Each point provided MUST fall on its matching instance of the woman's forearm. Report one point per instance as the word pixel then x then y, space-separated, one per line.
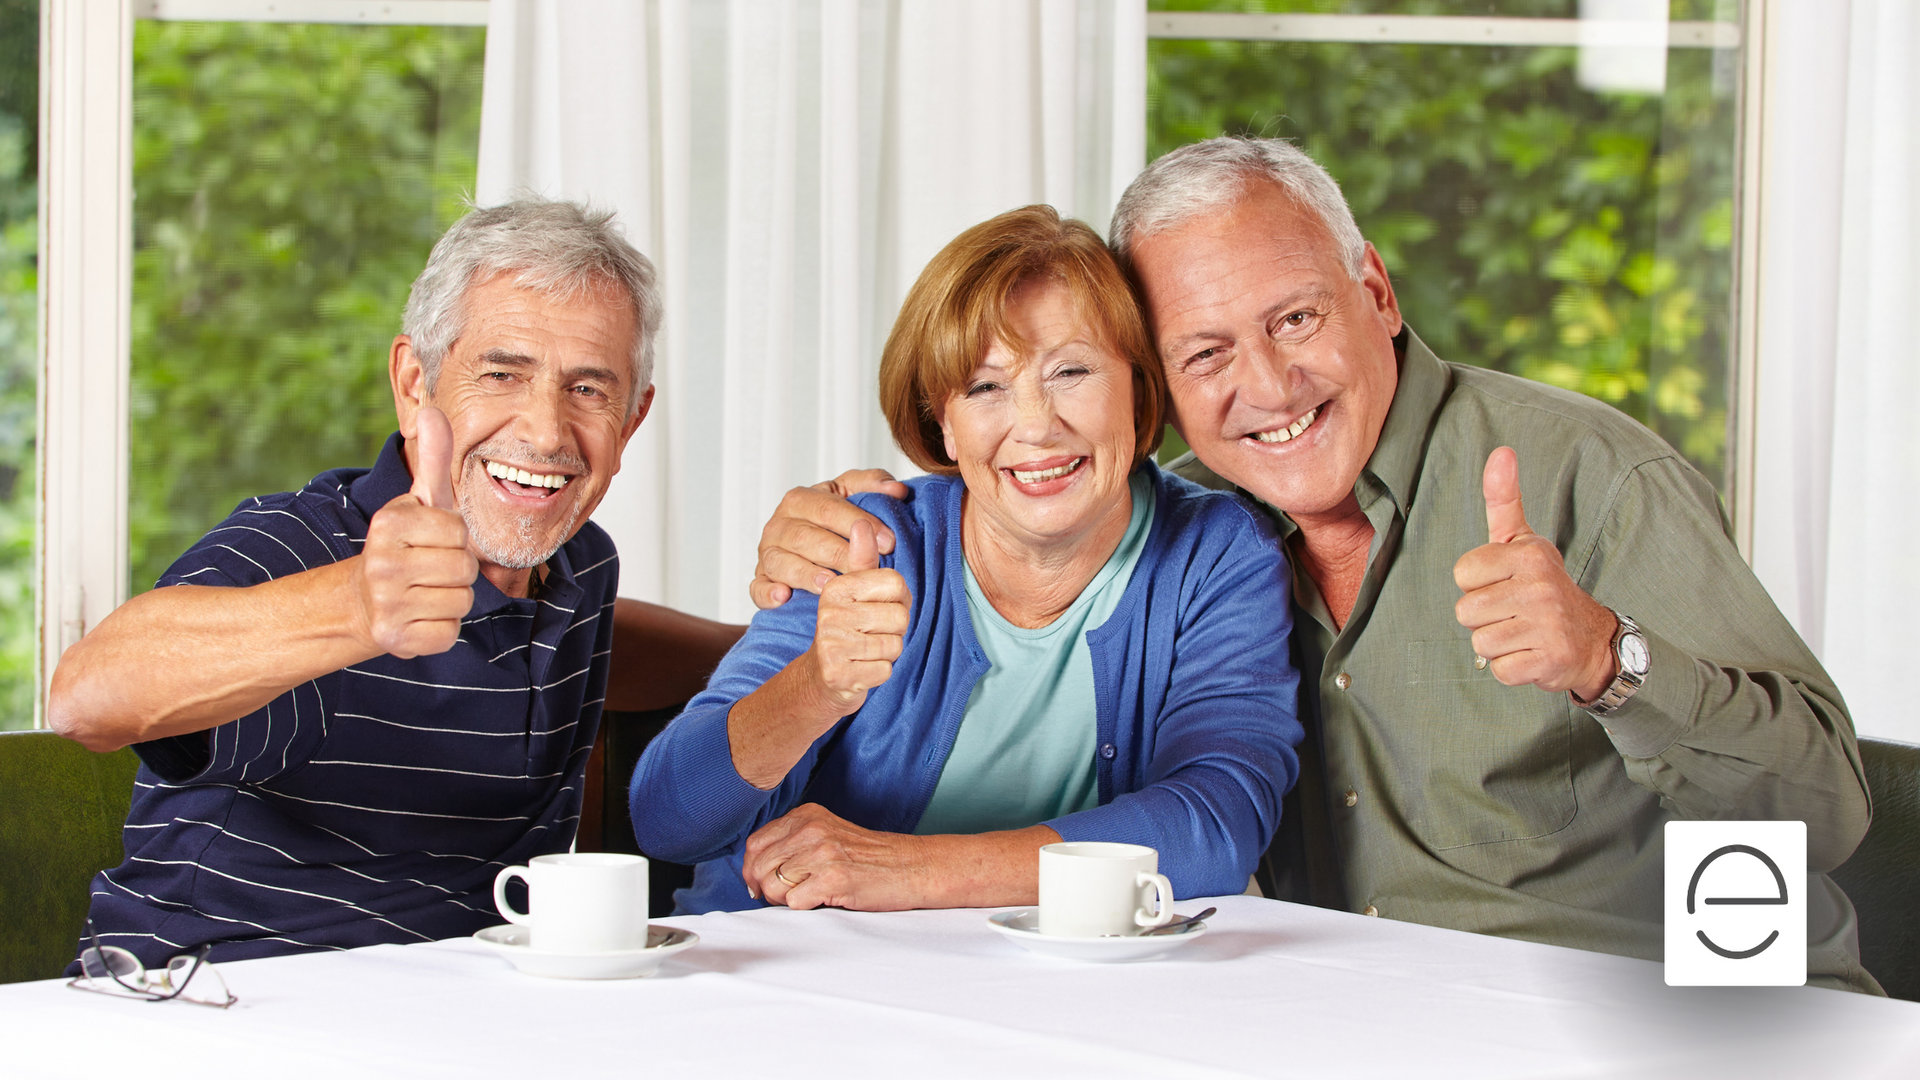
pixel 996 869
pixel 811 857
pixel 769 730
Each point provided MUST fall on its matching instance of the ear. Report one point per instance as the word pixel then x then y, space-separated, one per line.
pixel 409 381
pixel 633 422
pixel 1373 278
pixel 946 433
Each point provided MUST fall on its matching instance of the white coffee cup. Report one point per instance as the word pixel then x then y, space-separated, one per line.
pixel 584 902
pixel 1095 889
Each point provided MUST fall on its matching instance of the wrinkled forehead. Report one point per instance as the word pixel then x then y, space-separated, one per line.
pixel 1250 249
pixel 574 324
pixel 1044 314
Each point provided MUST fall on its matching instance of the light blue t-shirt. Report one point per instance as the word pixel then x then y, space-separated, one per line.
pixel 1025 750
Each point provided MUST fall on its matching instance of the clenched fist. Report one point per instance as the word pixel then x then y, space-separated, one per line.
pixel 415 575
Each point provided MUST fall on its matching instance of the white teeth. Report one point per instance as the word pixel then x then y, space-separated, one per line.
pixel 1047 474
pixel 523 477
pixel 1283 434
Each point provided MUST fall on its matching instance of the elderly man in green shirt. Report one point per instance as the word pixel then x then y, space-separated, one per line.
pixel 1524 637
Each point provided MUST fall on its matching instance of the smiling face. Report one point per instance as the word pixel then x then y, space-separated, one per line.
pixel 1044 437
pixel 1280 365
pixel 536 392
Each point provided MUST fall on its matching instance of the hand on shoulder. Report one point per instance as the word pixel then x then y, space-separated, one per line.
pixel 805 544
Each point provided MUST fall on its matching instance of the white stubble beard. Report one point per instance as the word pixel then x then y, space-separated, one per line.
pixel 523 549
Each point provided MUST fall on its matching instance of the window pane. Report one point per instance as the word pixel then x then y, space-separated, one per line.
pixel 1532 223
pixel 19 359
pixel 289 180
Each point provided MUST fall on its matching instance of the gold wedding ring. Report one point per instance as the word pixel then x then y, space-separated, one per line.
pixel 788 882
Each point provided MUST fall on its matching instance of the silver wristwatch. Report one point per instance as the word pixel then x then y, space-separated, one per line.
pixel 1632 658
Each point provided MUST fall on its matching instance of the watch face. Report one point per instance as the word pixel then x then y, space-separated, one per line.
pixel 1633 653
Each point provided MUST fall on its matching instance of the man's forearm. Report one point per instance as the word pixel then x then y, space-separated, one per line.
pixel 1737 719
pixel 188 658
pixel 1720 741
pixel 662 657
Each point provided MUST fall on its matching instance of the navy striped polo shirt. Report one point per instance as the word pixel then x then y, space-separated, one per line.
pixel 374 804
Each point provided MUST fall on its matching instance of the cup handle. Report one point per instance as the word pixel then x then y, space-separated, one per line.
pixel 1163 900
pixel 500 904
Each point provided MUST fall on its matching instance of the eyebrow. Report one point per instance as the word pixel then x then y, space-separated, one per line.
pixel 509 358
pixel 506 358
pixel 1174 349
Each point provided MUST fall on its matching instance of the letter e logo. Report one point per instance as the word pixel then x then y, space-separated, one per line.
pixel 1736 903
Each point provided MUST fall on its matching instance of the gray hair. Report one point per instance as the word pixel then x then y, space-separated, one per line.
pixel 1207 176
pixel 561 249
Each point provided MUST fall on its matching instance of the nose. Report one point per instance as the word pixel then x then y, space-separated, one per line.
pixel 1265 381
pixel 1035 420
pixel 541 420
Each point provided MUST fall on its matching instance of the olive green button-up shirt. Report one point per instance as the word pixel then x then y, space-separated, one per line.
pixel 1446 798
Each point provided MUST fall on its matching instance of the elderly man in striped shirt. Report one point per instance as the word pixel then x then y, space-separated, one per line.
pixel 356 702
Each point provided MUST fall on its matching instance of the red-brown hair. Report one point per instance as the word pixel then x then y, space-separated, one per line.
pixel 957 311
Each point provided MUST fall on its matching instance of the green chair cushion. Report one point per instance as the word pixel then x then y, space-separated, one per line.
pixel 63 807
pixel 1883 876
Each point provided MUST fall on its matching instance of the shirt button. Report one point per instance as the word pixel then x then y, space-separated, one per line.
pixel 1343 680
pixel 1108 751
pixel 1371 910
pixel 1353 797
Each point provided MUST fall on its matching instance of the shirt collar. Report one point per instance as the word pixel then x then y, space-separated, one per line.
pixel 390 478
pixel 1422 390
pixel 386 481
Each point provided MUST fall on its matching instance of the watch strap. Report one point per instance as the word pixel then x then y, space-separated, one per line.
pixel 1626 682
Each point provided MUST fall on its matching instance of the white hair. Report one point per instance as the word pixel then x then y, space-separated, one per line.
pixel 561 249
pixel 1208 176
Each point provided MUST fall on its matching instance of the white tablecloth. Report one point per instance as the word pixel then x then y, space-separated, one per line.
pixel 1272 990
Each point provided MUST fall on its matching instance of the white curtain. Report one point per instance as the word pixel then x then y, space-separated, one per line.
pixel 1837 479
pixel 790 165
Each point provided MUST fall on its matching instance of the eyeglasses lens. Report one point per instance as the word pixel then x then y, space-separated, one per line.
pixel 107 962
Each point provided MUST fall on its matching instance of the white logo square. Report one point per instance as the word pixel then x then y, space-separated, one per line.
pixel 1736 903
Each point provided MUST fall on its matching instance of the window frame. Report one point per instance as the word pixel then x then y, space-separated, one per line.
pixel 86 244
pixel 1752 109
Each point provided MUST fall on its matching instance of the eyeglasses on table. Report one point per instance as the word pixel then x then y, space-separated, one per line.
pixel 111 970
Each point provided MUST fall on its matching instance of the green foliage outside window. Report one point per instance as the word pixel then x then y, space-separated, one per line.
pixel 1577 238
pixel 19 362
pixel 289 180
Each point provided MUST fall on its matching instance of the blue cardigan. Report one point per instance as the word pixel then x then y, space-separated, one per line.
pixel 1194 688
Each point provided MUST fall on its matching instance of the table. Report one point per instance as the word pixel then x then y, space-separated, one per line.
pixel 1273 989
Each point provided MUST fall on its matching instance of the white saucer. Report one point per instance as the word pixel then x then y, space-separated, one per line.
pixel 1022 926
pixel 510 941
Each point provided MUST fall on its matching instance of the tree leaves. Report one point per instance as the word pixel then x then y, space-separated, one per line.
pixel 1532 226
pixel 289 181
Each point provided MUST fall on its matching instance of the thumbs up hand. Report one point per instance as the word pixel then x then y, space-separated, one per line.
pixel 861 626
pixel 1529 619
pixel 433 475
pixel 415 575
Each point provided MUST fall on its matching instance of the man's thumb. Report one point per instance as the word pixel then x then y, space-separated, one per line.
pixel 863 552
pixel 433 459
pixel 1506 518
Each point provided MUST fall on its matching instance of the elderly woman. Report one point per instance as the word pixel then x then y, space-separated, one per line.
pixel 1066 643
